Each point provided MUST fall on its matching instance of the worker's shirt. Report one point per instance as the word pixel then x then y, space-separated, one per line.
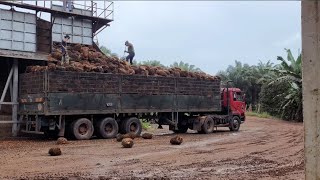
pixel 130 48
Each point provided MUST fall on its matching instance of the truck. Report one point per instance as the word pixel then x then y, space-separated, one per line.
pixel 87 104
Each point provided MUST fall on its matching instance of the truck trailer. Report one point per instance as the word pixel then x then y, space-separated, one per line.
pixel 87 104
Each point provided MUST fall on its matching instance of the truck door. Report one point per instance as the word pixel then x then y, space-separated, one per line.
pixel 238 104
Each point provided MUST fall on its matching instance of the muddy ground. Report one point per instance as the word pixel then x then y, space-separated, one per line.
pixel 262 149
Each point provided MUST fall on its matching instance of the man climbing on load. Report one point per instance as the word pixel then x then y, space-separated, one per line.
pixel 130 50
pixel 65 56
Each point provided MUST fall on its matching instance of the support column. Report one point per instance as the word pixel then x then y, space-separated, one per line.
pixel 4 92
pixel 311 86
pixel 15 97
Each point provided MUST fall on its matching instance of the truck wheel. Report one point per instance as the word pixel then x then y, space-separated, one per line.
pixel 82 129
pixel 208 125
pixel 107 128
pixel 235 124
pixel 132 125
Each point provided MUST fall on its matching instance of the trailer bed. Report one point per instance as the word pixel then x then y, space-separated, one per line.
pixel 71 93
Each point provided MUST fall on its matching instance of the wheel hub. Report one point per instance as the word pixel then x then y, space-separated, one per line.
pixel 235 124
pixel 133 127
pixel 209 124
pixel 108 128
pixel 83 129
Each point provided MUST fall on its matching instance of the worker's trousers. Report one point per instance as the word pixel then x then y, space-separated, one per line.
pixel 130 57
pixel 65 59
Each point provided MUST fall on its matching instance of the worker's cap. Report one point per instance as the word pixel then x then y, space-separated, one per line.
pixel 67 36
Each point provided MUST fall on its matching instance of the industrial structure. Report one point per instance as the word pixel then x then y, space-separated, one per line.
pixel 26 38
pixel 28 30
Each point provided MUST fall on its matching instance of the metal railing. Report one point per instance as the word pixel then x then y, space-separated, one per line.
pixel 106 11
pixel 102 9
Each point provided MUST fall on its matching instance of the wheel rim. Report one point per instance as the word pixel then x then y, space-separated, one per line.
pixel 83 129
pixel 133 127
pixel 235 124
pixel 108 128
pixel 209 125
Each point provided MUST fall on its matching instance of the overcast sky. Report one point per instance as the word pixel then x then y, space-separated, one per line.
pixel 208 34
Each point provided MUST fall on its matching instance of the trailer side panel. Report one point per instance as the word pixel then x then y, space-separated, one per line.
pixel 71 93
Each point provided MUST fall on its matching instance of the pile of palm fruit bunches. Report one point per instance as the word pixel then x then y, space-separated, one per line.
pixel 89 59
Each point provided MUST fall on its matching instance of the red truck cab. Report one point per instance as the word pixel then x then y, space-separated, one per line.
pixel 236 102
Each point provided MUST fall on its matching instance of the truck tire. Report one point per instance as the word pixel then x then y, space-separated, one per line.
pixel 208 126
pixel 235 124
pixel 107 128
pixel 82 129
pixel 132 125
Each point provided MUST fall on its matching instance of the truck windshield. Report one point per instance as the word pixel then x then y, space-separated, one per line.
pixel 237 96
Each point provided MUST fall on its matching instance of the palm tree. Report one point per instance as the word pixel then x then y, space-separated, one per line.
pixel 108 52
pixel 236 73
pixel 290 72
pixel 256 76
pixel 105 50
pixel 151 63
pixel 185 66
pixel 248 78
pixel 277 88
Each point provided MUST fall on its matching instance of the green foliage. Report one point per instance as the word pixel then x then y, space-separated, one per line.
pixel 270 96
pixel 150 63
pixel 185 66
pixel 181 65
pixel 248 78
pixel 107 51
pixel 134 62
pixel 276 89
pixel 290 74
pixel 145 125
pixel 260 115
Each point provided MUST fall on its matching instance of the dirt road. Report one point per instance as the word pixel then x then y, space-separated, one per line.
pixel 262 149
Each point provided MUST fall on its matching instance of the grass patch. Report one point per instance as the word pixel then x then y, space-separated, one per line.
pixel 145 125
pixel 260 115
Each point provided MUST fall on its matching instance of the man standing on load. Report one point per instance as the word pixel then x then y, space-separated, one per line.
pixel 130 50
pixel 65 56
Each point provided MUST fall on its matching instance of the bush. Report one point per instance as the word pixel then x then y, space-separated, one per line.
pixel 260 115
pixel 271 97
pixel 145 124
